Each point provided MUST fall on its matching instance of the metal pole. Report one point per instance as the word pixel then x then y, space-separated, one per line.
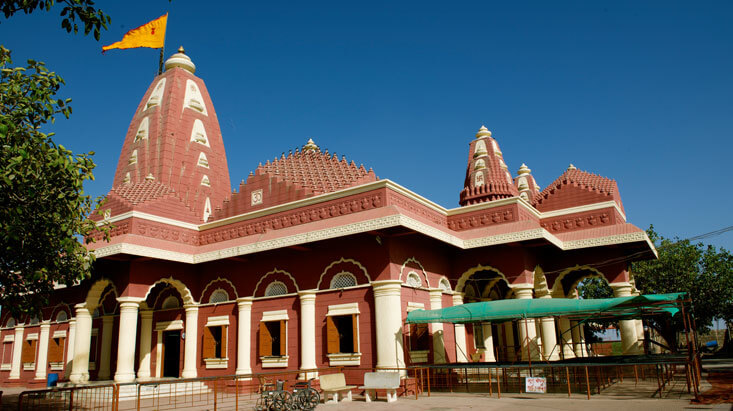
pixel 587 381
pixel 498 384
pixel 567 378
pixel 490 392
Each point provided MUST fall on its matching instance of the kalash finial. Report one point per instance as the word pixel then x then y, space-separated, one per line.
pixel 524 170
pixel 571 167
pixel 483 132
pixel 310 146
pixel 181 60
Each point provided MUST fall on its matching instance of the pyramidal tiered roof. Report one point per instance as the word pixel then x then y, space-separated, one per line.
pixel 578 186
pixel 316 171
pixel 304 173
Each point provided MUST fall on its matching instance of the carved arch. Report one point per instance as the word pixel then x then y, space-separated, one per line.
pixel 557 290
pixel 339 261
pixel 471 271
pixel 414 260
pixel 219 279
pixel 97 291
pixel 185 293
pixel 273 272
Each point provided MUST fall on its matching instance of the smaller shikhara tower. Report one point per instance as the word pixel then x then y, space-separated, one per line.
pixel 173 150
pixel 487 176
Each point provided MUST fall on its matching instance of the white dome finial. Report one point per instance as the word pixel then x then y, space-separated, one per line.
pixel 571 167
pixel 483 132
pixel 181 60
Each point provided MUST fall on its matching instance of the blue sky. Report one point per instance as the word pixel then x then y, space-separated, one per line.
pixel 640 92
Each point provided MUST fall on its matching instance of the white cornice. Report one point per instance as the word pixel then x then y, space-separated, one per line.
pixel 375 185
pixel 366 226
pixel 582 209
pixel 150 217
pixel 143 251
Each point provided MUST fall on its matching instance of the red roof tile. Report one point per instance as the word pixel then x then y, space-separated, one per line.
pixel 590 183
pixel 137 193
pixel 316 171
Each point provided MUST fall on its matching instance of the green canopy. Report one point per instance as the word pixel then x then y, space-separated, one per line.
pixel 505 310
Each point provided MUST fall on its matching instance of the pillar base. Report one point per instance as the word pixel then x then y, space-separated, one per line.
pixel 123 378
pixel 79 378
pixel 307 375
pixel 188 374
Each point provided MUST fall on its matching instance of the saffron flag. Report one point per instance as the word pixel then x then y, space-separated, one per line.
pixel 151 35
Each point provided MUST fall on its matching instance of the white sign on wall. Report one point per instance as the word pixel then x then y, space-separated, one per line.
pixel 535 384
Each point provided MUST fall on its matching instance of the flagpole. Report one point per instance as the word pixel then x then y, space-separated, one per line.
pixel 162 50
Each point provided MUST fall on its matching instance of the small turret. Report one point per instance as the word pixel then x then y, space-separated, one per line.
pixel 526 184
pixel 487 176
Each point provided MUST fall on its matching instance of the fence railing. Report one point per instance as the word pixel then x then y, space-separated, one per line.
pixel 235 392
pixel 90 397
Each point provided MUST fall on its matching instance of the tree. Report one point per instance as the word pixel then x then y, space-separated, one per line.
pixel 73 13
pixel 44 212
pixel 590 288
pixel 704 273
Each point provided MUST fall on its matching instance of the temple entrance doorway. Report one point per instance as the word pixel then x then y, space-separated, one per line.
pixel 171 353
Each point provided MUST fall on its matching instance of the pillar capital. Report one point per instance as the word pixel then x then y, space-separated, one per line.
pixel 82 308
pixel 191 307
pixel 307 295
pixel 46 324
pixel 387 288
pixel 436 294
pixel 457 298
pixel 523 291
pixel 243 302
pixel 622 289
pixel 146 314
pixel 129 302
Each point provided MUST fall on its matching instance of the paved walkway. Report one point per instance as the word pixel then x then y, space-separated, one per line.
pixel 460 401
pixel 717 394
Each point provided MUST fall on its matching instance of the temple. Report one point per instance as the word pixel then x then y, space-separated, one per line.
pixel 313 261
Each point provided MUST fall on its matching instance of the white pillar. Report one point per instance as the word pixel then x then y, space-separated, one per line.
pixel 550 350
pixel 460 333
pixel 488 343
pixel 82 343
pixel 566 338
pixel 70 341
pixel 106 355
pixel 511 354
pixel 192 327
pixel 388 322
pixel 126 342
pixel 42 362
pixel 578 339
pixel 17 350
pixel 436 303
pixel 244 335
pixel 146 334
pixel 626 327
pixel 308 333
pixel 639 336
pixel 526 327
pixel 583 343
